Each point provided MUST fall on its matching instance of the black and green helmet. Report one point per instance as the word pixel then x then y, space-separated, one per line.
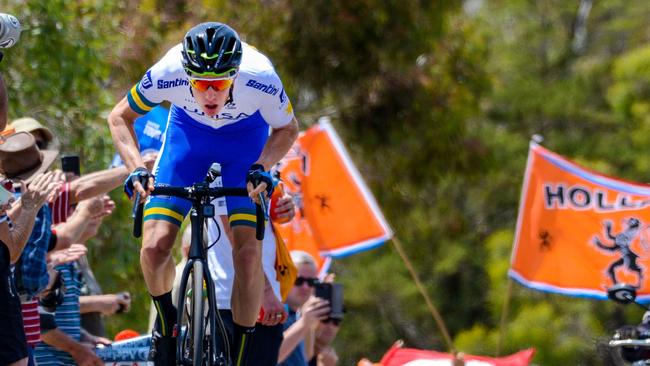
pixel 211 49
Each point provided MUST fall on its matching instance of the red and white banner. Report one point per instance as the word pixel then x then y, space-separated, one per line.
pixel 397 356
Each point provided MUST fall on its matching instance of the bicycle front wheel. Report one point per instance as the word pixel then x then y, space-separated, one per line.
pixel 198 320
pixel 193 348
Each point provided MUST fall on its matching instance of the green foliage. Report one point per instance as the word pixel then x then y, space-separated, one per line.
pixel 436 102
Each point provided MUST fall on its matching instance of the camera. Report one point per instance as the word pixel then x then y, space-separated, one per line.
pixel 332 292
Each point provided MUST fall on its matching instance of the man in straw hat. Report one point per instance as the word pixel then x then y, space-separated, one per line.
pixel 21 159
pixel 44 137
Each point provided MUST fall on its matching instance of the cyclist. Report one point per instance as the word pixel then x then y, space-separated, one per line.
pixel 225 97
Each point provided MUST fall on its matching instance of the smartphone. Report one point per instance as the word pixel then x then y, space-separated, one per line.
pixel 332 292
pixel 70 164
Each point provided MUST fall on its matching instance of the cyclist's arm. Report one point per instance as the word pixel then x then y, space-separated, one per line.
pixel 278 144
pixel 120 122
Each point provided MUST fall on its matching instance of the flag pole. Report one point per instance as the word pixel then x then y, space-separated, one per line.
pixel 504 317
pixel 534 139
pixel 434 312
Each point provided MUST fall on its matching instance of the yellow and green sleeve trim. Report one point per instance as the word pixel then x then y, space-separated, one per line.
pixel 165 212
pixel 138 102
pixel 242 216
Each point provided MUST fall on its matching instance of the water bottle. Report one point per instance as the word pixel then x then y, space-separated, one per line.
pixel 9 30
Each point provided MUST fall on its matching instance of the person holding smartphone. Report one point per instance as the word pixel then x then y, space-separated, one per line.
pixel 305 312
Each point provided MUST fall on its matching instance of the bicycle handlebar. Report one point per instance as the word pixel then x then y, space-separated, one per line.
pixel 196 193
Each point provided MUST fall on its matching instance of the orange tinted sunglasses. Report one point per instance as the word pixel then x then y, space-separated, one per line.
pixel 216 84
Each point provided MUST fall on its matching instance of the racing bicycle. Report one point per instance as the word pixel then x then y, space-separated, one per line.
pixel 201 337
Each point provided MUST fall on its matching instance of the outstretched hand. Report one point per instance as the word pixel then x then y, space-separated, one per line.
pixel 42 187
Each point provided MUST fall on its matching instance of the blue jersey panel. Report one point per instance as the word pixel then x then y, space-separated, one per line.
pixel 189 150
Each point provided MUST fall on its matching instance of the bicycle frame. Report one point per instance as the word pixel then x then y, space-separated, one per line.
pixel 201 195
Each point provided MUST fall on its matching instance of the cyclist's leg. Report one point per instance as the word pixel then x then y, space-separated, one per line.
pixel 177 165
pixel 248 281
pixel 248 284
pixel 246 252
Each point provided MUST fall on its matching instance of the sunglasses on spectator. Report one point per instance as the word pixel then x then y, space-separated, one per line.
pixel 335 322
pixel 311 282
pixel 216 84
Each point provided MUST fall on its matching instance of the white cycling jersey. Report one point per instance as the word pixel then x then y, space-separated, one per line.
pixel 257 91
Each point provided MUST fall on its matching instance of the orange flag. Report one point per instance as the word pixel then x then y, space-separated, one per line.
pixel 336 213
pixel 580 232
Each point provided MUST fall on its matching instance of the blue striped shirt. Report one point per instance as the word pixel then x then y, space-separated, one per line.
pixel 31 269
pixel 67 316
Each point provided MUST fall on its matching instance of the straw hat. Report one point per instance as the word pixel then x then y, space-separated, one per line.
pixel 28 124
pixel 21 159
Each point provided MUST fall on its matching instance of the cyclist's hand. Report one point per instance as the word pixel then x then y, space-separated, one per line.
pixel 314 311
pixel 139 181
pixel 274 312
pixel 258 181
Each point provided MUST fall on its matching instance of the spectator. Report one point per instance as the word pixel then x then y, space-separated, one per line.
pixel 95 304
pixel 44 137
pixel 16 153
pixel 13 236
pixel 65 340
pixel 305 312
pixel 20 159
pixel 324 353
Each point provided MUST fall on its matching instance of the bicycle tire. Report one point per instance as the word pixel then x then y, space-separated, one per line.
pixel 186 316
pixel 198 319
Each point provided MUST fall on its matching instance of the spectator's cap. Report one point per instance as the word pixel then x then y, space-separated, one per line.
pixel 28 124
pixel 21 159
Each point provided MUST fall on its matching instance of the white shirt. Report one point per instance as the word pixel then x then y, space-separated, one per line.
pixel 220 255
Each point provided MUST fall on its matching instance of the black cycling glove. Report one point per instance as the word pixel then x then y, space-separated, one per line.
pixel 257 175
pixel 141 175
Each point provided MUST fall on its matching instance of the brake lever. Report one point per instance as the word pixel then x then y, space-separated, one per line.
pixel 136 215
